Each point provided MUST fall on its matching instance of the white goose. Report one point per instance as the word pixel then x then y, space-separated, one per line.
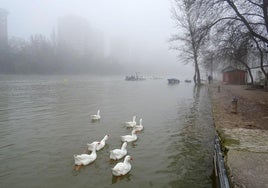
pixel 122 168
pixel 100 145
pixel 129 138
pixel 119 153
pixel 138 127
pixel 85 159
pixel 131 123
pixel 96 116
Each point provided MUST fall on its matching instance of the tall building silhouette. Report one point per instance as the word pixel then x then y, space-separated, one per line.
pixel 3 30
pixel 75 34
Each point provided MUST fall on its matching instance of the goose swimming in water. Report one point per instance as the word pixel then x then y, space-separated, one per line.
pixel 85 159
pixel 131 123
pixel 96 116
pixel 138 127
pixel 129 138
pixel 119 153
pixel 122 168
pixel 100 145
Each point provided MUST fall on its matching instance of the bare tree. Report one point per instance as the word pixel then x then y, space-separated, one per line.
pixel 263 53
pixel 192 32
pixel 253 15
pixel 236 47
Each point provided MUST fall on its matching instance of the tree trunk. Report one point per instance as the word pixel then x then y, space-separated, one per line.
pixel 250 75
pixel 262 68
pixel 197 72
pixel 261 63
pixel 198 75
pixel 249 71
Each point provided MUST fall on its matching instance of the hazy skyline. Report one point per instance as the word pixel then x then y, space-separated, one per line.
pixel 145 24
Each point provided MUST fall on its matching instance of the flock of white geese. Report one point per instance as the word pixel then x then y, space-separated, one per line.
pixel 121 168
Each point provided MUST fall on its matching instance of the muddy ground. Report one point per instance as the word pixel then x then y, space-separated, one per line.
pixel 252 106
pixel 244 135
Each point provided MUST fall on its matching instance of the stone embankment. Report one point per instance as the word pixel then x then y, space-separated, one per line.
pixel 244 135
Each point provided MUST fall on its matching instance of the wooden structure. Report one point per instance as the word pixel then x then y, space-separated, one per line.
pixel 233 75
pixel 173 81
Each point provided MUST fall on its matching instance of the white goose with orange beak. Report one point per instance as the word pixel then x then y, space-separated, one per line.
pixel 138 127
pixel 119 153
pixel 96 116
pixel 100 145
pixel 130 138
pixel 85 159
pixel 131 123
pixel 122 168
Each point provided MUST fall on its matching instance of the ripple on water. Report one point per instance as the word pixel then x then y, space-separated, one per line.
pixel 46 121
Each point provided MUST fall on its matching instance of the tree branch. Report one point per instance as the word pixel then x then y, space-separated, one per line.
pixel 243 19
pixel 264 9
pixel 256 4
pixel 251 14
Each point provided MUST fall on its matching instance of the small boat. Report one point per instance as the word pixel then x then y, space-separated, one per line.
pixel 187 81
pixel 135 77
pixel 173 81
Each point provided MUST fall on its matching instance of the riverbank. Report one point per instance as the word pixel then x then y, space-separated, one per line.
pixel 244 135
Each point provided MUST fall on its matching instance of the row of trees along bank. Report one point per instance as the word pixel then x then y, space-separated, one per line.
pixel 41 55
pixel 222 32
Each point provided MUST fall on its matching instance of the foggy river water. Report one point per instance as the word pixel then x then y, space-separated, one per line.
pixel 45 120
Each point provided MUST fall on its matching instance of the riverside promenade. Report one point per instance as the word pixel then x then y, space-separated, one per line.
pixel 244 135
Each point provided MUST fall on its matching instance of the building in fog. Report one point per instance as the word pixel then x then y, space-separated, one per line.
pixel 76 35
pixel 232 75
pixel 3 29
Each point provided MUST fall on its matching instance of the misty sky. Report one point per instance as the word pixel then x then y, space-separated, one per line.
pixel 144 24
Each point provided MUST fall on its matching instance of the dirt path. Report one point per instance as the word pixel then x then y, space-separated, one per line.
pixel 252 106
pixel 244 134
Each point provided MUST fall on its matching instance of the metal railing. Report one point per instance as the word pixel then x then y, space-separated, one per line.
pixel 220 171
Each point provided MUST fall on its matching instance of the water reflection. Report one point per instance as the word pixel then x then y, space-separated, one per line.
pixel 117 179
pixel 95 121
pixel 45 121
pixel 193 145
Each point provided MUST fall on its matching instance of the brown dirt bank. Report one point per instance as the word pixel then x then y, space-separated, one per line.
pixel 252 106
pixel 244 135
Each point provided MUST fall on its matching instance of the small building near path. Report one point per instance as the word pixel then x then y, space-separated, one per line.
pixel 232 75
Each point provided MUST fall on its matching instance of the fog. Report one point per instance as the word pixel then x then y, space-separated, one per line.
pixel 133 34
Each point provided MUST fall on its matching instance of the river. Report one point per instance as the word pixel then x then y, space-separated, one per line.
pixel 45 120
